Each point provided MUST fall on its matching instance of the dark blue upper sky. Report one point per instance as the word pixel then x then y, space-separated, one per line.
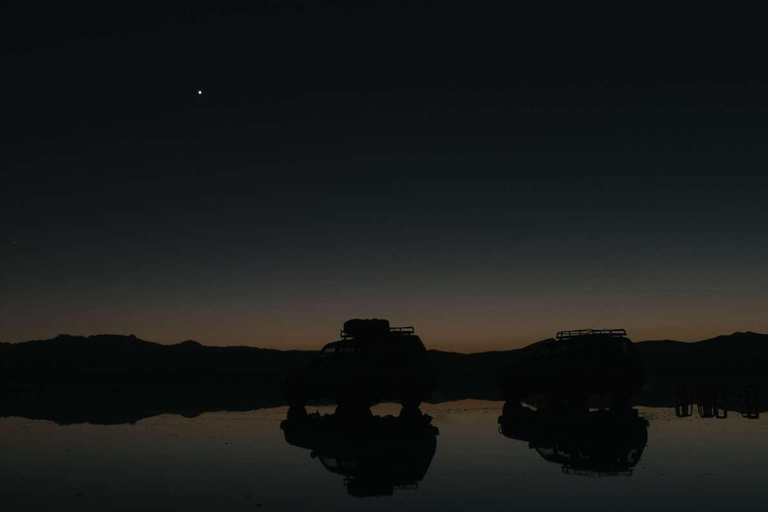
pixel 489 176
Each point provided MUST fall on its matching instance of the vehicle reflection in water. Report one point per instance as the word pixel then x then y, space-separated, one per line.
pixel 596 443
pixel 375 454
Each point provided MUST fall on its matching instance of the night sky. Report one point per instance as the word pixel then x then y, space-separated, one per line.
pixel 487 176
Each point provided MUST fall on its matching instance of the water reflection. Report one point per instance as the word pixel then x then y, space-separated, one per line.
pixel 241 461
pixel 375 454
pixel 712 400
pixel 751 402
pixel 595 443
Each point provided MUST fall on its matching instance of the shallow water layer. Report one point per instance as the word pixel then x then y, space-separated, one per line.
pixel 241 461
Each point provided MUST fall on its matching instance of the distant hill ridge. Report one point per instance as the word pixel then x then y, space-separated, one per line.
pixel 114 378
pixel 121 339
pixel 111 351
pixel 127 338
pixel 127 357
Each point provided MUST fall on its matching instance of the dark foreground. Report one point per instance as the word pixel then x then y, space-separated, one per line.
pixel 242 461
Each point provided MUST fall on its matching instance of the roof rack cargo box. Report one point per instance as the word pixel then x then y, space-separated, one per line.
pixel 372 327
pixel 365 327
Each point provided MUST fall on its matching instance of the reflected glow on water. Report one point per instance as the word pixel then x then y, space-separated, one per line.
pixel 238 461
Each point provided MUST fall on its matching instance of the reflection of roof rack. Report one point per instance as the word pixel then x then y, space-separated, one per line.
pixel 571 470
pixel 404 330
pixel 564 335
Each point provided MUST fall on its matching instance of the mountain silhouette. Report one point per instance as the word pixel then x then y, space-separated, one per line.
pixel 116 358
pixel 107 379
pixel 121 379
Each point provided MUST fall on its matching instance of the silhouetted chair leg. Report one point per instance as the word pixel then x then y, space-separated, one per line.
pixel 751 402
pixel 296 411
pixel 683 404
pixel 721 402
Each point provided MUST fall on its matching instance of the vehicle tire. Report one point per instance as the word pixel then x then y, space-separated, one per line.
pixel 296 412
pixel 620 403
pixel 295 398
pixel 512 407
pixel 410 412
pixel 410 401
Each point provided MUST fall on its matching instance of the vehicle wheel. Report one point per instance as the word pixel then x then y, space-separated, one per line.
pixel 512 407
pixel 410 402
pixel 296 412
pixel 620 403
pixel 576 403
pixel 296 400
pixel 410 412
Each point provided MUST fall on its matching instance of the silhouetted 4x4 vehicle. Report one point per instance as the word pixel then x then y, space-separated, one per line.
pixel 573 366
pixel 371 362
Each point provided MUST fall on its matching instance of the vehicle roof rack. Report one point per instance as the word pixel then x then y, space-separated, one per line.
pixel 404 330
pixel 566 335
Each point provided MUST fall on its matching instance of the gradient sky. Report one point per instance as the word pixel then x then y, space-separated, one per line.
pixel 486 176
